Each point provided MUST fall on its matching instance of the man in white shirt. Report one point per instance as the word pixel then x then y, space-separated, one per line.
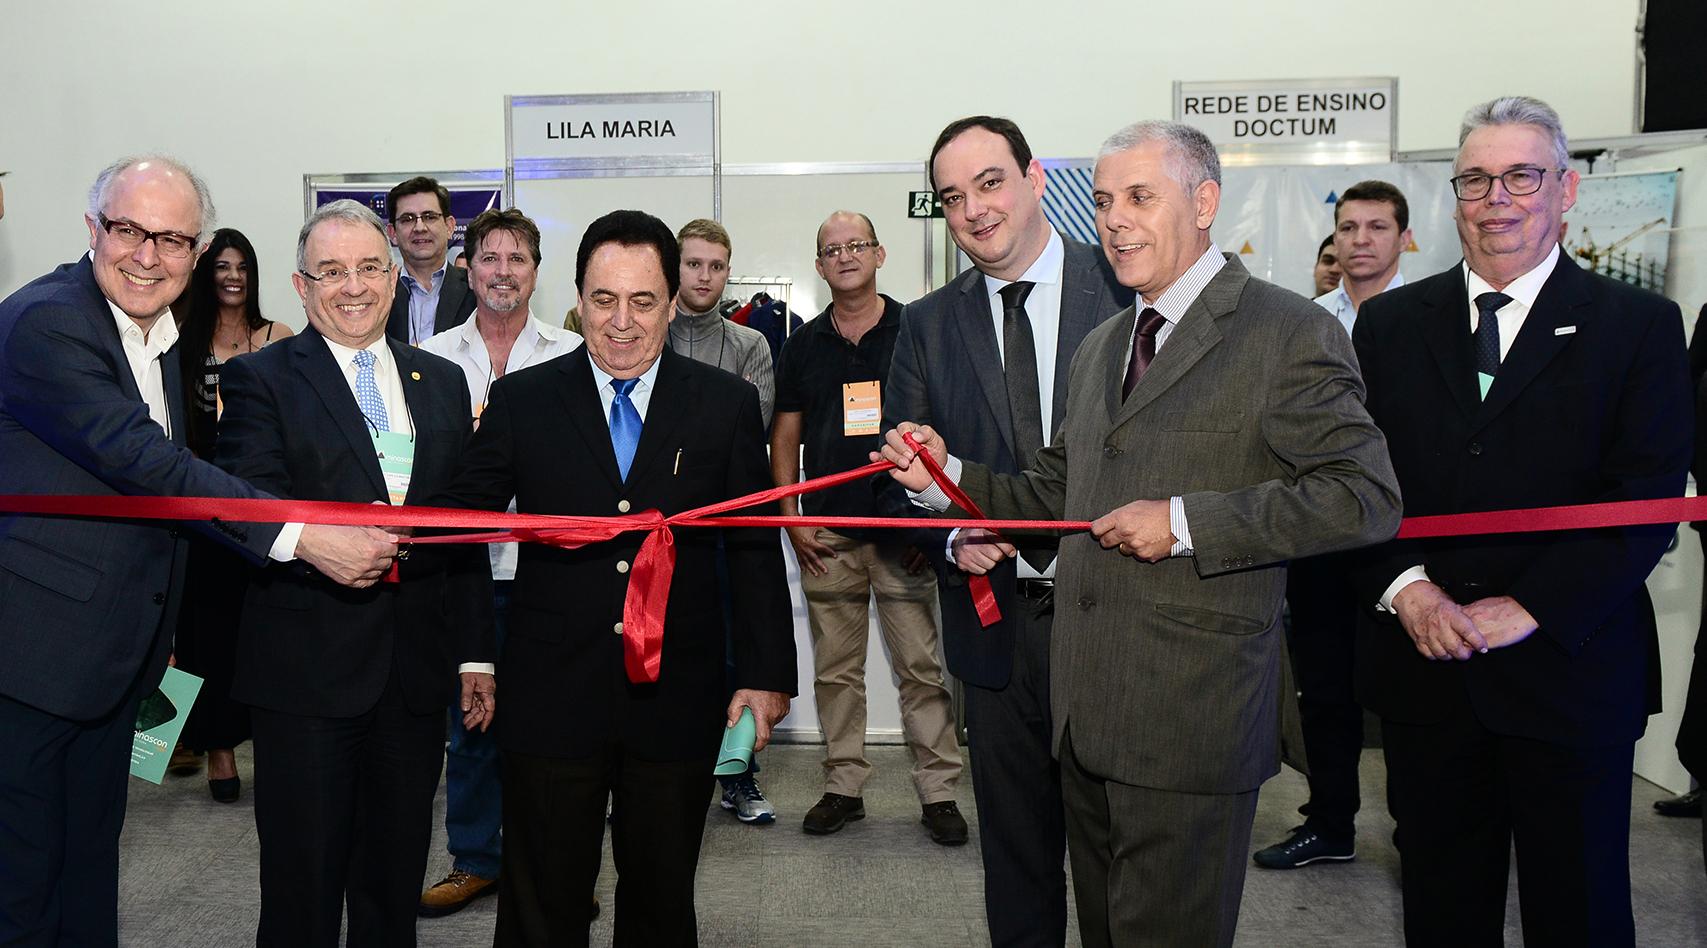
pixel 501 337
pixel 1372 226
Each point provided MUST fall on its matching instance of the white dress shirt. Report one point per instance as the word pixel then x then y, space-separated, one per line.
pixel 143 352
pixel 1338 302
pixel 641 396
pixel 1523 292
pixel 465 346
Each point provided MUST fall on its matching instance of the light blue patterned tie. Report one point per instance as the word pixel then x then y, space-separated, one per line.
pixel 367 392
pixel 624 424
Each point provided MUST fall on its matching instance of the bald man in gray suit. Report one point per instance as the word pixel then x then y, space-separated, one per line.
pixel 1233 411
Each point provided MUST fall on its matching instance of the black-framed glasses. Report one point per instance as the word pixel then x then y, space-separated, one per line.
pixel 426 217
pixel 170 243
pixel 855 247
pixel 335 276
pixel 1517 182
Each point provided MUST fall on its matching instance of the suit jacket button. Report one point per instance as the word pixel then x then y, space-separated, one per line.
pixel 1085 603
pixel 175 533
pixel 1475 447
pixel 618 629
pixel 160 599
pixel 622 566
pixel 622 506
pixel 1226 562
pixel 1110 451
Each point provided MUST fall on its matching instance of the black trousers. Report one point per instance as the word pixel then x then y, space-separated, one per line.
pixel 1017 782
pixel 344 811
pixel 1463 795
pixel 1321 639
pixel 554 826
pixel 62 802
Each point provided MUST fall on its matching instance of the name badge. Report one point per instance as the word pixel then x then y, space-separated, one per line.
pixel 396 461
pixel 862 408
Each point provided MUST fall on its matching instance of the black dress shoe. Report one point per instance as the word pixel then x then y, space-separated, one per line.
pixel 1303 848
pixel 946 824
pixel 225 789
pixel 1687 805
pixel 831 813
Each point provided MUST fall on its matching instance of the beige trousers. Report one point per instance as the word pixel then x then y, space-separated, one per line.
pixel 837 608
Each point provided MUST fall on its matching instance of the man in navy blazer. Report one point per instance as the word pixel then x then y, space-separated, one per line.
pixel 1512 671
pixel 90 404
pixel 951 370
pixel 348 688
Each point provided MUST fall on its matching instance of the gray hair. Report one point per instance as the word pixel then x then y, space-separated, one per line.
pixel 1518 110
pixel 101 191
pixel 343 209
pixel 1191 156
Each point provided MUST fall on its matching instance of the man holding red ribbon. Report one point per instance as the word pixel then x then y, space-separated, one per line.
pixel 1215 431
pixel 597 705
pixel 1511 672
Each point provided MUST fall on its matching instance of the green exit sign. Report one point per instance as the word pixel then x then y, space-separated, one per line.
pixel 923 204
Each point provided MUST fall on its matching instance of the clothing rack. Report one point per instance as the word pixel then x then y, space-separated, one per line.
pixel 784 288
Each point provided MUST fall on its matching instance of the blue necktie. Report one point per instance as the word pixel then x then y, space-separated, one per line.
pixel 1486 341
pixel 367 392
pixel 624 424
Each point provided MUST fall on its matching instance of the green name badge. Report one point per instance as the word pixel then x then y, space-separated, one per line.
pixel 396 461
pixel 159 721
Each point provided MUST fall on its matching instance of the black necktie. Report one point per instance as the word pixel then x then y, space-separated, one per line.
pixel 1143 349
pixel 1486 341
pixel 1019 369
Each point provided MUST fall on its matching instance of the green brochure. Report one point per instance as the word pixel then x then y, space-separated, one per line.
pixel 159 721
pixel 736 755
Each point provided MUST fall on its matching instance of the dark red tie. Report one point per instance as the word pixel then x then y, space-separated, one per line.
pixel 1143 350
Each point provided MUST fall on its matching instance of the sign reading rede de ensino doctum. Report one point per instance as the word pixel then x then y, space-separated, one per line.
pixel 1294 120
pixel 680 124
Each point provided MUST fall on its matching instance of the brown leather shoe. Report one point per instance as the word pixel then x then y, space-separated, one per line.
pixel 453 893
pixel 184 761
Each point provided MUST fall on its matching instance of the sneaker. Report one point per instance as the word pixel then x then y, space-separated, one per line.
pixel 831 813
pixel 1304 847
pixel 947 826
pixel 453 893
pixel 742 795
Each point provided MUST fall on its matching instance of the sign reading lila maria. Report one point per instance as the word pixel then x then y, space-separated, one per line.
pixel 654 131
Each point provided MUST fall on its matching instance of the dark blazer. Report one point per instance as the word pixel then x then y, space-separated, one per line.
pixel 947 373
pixel 309 646
pixel 1592 404
pixel 1173 674
pixel 456 301
pixel 565 691
pixel 1692 730
pixel 82 601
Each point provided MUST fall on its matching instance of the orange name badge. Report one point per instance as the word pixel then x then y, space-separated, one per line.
pixel 862 408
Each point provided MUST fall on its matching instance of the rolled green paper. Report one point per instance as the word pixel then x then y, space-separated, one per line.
pixel 736 754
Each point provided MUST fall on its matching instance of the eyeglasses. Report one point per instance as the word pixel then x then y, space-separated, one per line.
pixel 168 242
pixel 426 217
pixel 335 276
pixel 1517 182
pixel 855 247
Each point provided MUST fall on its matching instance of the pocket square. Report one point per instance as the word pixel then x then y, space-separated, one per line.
pixel 1564 330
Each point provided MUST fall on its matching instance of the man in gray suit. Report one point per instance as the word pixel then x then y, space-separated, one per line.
pixel 954 367
pixel 1213 434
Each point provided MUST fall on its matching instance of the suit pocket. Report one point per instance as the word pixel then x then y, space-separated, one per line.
pixel 1222 421
pixel 1211 621
pixel 51 570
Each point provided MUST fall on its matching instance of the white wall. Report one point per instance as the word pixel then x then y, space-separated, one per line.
pixel 254 95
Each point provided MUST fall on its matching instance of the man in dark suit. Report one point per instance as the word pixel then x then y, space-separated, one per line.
pixel 90 404
pixel 586 715
pixel 1511 671
pixel 349 688
pixel 952 369
pixel 431 296
pixel 1212 438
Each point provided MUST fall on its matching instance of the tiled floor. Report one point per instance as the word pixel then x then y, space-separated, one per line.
pixel 188 876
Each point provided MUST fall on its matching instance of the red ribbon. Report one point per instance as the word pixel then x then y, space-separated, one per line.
pixel 649 580
pixel 983 597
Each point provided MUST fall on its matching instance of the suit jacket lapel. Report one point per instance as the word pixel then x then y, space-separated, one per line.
pixel 1563 301
pixel 1186 345
pixel 173 358
pixel 665 411
pixel 1079 284
pixel 579 391
pixel 315 362
pixel 415 399
pixel 1445 328
pixel 971 315
pixel 101 313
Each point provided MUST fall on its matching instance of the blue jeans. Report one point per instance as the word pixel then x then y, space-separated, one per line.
pixel 474 789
